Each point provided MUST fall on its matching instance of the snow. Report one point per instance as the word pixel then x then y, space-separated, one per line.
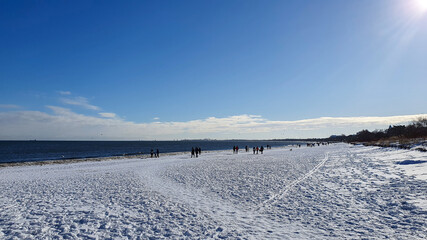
pixel 336 191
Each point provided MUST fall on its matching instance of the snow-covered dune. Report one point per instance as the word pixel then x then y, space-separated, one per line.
pixel 336 191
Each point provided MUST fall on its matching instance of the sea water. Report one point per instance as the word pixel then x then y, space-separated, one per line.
pixel 25 151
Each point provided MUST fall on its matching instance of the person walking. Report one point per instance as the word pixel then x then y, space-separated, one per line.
pixel 254 150
pixel 158 152
pixel 152 153
pixel 257 149
pixel 262 149
pixel 192 152
pixel 200 151
pixel 234 149
pixel 237 149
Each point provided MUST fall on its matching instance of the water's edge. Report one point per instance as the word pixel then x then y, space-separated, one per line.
pixel 109 158
pixel 36 151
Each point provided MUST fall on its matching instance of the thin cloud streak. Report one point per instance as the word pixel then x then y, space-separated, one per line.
pixel 65 124
pixel 9 106
pixel 64 92
pixel 80 101
pixel 107 115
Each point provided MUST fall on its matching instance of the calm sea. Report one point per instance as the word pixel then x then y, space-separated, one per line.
pixel 25 151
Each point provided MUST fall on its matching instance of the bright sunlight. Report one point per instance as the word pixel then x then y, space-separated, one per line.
pixel 421 5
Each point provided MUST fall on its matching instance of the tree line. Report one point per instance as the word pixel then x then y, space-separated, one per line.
pixel 416 129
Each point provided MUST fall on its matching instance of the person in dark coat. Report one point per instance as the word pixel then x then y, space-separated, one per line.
pixel 192 152
pixel 200 151
pixel 152 152
pixel 158 152
pixel 254 149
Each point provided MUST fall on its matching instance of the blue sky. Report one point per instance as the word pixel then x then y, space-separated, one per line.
pixel 180 62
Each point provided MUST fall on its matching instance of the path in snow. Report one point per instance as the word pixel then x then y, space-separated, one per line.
pixel 251 224
pixel 337 191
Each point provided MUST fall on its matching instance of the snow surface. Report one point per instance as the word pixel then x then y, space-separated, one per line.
pixel 336 191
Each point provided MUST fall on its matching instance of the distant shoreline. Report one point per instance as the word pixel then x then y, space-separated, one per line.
pixel 88 159
pixel 416 144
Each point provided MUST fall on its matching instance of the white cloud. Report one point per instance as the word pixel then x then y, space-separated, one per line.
pixel 80 101
pixel 9 106
pixel 64 92
pixel 66 124
pixel 156 118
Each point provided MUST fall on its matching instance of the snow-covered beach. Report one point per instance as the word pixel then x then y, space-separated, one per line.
pixel 336 191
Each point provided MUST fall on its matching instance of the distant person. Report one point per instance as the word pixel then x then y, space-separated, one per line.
pixel 253 149
pixel 158 152
pixel 152 153
pixel 234 149
pixel 192 152
pixel 257 149
pixel 237 149
pixel 200 150
pixel 247 148
pixel 262 149
pixel 197 151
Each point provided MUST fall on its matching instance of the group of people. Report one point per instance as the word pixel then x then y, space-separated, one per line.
pixel 195 152
pixel 155 154
pixel 318 144
pixel 256 149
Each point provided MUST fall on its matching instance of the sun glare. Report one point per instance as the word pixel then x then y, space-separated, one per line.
pixel 421 5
